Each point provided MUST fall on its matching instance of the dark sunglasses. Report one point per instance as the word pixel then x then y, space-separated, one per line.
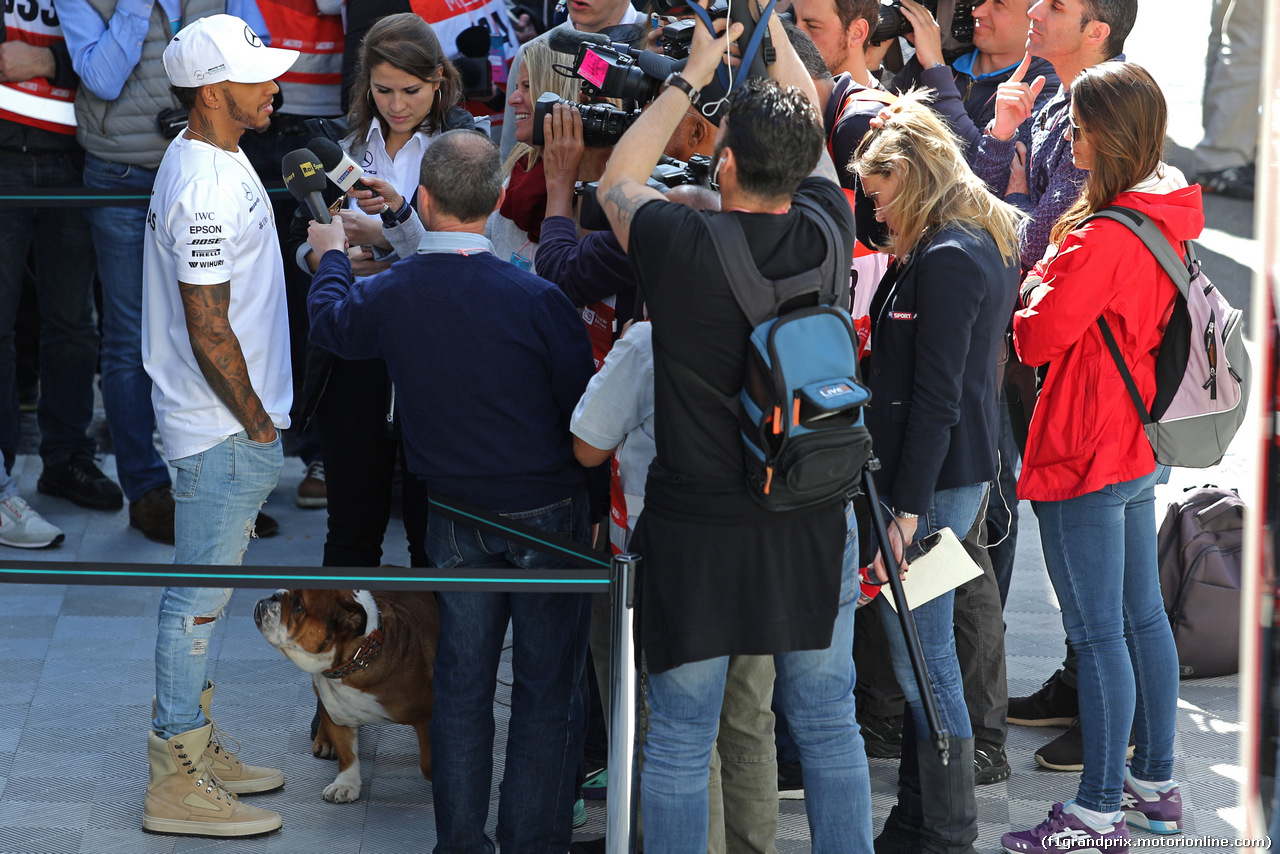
pixel 1076 130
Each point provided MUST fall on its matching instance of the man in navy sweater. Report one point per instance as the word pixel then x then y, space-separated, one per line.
pixel 488 363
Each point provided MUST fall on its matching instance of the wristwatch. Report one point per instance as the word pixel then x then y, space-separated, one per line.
pixel 391 218
pixel 674 79
pixel 903 514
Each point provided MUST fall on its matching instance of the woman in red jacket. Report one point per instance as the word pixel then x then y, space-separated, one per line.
pixel 1088 464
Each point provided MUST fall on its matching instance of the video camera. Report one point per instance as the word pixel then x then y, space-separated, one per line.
pixel 677 37
pixel 893 23
pixel 611 69
pixel 602 124
pixel 667 174
pixel 618 70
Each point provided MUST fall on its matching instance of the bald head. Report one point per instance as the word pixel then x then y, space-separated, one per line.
pixel 694 196
pixel 694 135
pixel 462 173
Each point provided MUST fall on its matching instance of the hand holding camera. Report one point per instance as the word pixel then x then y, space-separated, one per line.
pixel 707 51
pixel 561 156
pixel 926 33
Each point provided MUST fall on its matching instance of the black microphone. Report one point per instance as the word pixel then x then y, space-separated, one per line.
pixel 628 34
pixel 567 41
pixel 304 178
pixel 340 168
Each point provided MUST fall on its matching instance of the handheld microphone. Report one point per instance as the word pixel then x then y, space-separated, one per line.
pixel 567 41
pixel 340 168
pixel 304 178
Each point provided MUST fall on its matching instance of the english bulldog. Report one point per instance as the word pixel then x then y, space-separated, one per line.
pixel 370 656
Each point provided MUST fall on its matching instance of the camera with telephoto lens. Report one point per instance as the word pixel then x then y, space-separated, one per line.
pixel 677 37
pixel 893 23
pixel 602 124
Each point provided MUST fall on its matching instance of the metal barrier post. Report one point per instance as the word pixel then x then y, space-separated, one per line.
pixel 622 694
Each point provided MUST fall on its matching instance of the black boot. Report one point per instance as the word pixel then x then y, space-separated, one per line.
pixel 949 811
pixel 901 833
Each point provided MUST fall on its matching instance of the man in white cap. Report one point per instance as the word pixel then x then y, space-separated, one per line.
pixel 215 341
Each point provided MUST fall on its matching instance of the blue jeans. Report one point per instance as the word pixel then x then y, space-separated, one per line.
pixel 63 259
pixel 955 509
pixel 1100 550
pixel 814 689
pixel 218 494
pixel 548 658
pixel 788 750
pixel 118 234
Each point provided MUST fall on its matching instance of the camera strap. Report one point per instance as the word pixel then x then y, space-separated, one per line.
pixel 753 44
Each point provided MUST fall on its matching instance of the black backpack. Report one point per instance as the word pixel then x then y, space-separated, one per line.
pixel 800 409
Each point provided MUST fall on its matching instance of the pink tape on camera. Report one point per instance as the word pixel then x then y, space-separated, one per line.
pixel 593 69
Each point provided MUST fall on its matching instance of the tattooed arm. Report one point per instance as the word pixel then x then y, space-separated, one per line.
pixel 622 188
pixel 217 352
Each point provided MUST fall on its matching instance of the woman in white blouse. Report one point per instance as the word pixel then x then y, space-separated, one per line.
pixel 405 95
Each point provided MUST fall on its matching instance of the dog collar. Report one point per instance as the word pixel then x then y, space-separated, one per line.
pixel 368 651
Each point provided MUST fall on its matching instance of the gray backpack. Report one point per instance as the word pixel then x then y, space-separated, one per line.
pixel 1202 369
pixel 1200 555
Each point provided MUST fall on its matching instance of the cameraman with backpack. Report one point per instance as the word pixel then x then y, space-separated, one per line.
pixel 721 574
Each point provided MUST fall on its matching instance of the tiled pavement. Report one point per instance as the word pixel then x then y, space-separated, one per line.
pixel 76 678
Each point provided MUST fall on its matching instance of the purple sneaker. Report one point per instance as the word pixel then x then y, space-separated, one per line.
pixel 1066 832
pixel 1157 812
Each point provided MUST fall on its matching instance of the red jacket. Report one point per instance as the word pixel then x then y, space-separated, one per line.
pixel 1085 433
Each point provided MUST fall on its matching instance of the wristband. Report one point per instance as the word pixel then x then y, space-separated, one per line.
pixel 674 79
pixel 390 218
pixel 903 514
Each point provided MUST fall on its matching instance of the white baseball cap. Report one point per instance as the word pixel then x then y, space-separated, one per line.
pixel 222 48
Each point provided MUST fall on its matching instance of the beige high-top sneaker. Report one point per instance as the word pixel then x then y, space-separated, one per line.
pixel 184 797
pixel 234 775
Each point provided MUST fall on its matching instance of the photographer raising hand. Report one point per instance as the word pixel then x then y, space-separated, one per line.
pixel 722 575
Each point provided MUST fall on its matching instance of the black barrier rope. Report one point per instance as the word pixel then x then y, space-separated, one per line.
pixel 591 578
pixel 329 577
pixel 80 197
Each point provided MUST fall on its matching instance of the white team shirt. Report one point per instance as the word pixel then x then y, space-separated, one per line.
pixel 403 172
pixel 210 221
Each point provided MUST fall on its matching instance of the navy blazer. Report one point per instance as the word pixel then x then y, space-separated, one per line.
pixel 937 321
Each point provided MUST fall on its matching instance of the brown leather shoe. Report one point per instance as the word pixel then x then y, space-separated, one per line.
pixel 152 514
pixel 312 491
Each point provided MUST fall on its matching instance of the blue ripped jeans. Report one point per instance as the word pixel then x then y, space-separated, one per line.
pixel 217 495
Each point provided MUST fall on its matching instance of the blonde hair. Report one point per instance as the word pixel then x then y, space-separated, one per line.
pixel 937 186
pixel 539 60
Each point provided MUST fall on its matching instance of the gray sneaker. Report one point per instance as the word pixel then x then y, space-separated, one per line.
pixel 24 528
